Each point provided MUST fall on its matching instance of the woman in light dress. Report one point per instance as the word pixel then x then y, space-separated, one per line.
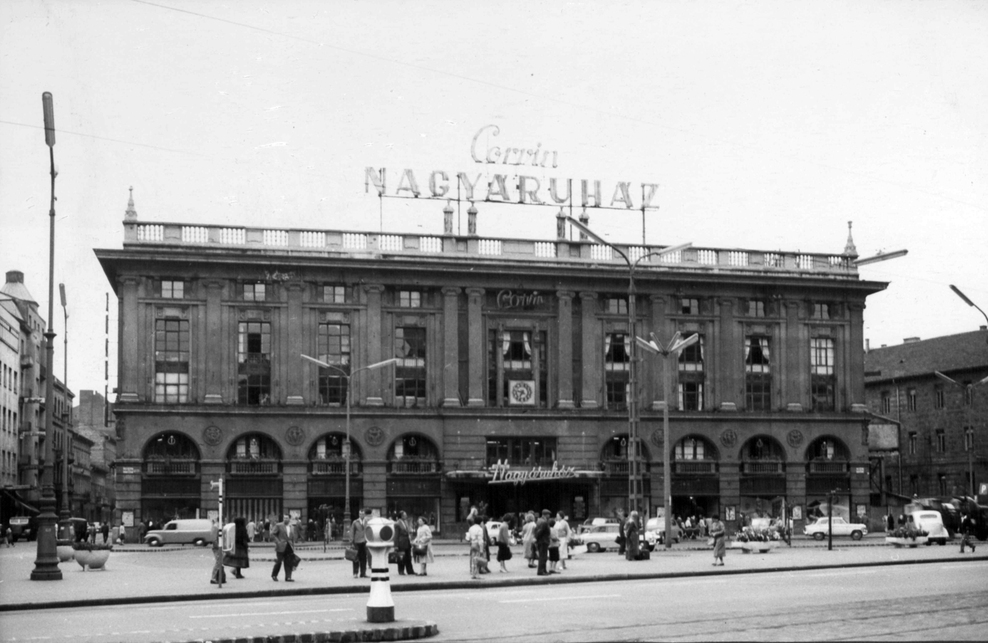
pixel 528 538
pixel 563 529
pixel 423 538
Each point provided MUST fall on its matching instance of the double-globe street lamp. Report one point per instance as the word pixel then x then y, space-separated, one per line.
pixel 635 491
pixel 348 375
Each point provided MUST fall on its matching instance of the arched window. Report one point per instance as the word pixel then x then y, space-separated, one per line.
pixel 255 446
pixel 171 446
pixel 328 455
pixel 762 447
pixel 827 448
pixel 412 453
pixel 694 448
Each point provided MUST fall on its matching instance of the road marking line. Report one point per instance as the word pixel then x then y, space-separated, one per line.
pixel 559 598
pixel 342 609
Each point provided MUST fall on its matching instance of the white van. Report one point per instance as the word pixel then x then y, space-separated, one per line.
pixel 195 531
pixel 931 522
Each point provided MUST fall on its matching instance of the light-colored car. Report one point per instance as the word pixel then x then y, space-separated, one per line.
pixel 494 528
pixel 818 530
pixel 195 531
pixel 589 523
pixel 931 522
pixel 655 531
pixel 601 537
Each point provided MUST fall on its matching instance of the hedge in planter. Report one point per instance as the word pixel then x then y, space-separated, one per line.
pixel 91 555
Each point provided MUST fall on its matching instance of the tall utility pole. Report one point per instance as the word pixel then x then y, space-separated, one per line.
pixel 66 439
pixel 46 564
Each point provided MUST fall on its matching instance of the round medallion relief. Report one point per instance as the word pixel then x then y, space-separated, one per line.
pixel 212 435
pixel 729 438
pixel 374 436
pixel 795 438
pixel 294 436
pixel 657 438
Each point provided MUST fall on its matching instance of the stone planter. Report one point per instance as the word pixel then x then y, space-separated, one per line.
pixel 906 542
pixel 95 559
pixel 65 553
pixel 758 547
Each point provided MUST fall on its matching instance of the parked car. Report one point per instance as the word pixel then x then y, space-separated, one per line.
pixel 841 527
pixel 195 531
pixel 655 532
pixel 596 522
pixel 601 537
pixel 949 514
pixel 494 528
pixel 23 527
pixel 931 522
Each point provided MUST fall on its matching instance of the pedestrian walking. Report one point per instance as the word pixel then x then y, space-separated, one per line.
pixel 484 569
pixel 218 577
pixel 475 539
pixel 553 547
pixel 719 533
pixel 282 537
pixel 543 536
pixel 504 541
pixel 966 529
pixel 403 544
pixel 528 539
pixel 359 542
pixel 422 546
pixel 251 530
pixel 564 532
pixel 8 536
pixel 631 537
pixel 105 530
pixel 141 530
pixel 237 556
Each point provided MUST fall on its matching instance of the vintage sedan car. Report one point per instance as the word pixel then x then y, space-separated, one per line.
pixel 818 530
pixel 655 531
pixel 494 528
pixel 601 537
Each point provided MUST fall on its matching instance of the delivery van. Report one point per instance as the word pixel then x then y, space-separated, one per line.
pixel 192 531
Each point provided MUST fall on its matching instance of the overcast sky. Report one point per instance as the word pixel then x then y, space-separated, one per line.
pixel 766 125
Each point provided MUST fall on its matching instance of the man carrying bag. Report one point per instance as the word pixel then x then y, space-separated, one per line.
pixel 283 550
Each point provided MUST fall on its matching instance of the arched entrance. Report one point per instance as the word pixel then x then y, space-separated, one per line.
pixel 695 478
pixel 170 480
pixel 327 479
pixel 828 470
pixel 614 483
pixel 254 483
pixel 414 474
pixel 763 479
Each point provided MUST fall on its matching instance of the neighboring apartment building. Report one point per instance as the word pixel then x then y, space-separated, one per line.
pixel 90 421
pixel 943 418
pixel 507 351
pixel 10 364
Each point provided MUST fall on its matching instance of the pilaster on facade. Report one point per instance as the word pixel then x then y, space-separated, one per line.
pixel 375 378
pixel 591 347
pixel 475 341
pixel 294 476
pixel 564 364
pixel 728 370
pixel 129 376
pixel 294 341
pixel 795 338
pixel 212 351
pixel 854 372
pixel 451 357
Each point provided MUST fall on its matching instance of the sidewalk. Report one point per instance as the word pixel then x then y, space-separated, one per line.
pixel 137 574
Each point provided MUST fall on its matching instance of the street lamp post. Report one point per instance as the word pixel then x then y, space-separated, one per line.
pixel 669 354
pixel 346 445
pixel 634 465
pixel 968 430
pixel 66 446
pixel 967 301
pixel 46 564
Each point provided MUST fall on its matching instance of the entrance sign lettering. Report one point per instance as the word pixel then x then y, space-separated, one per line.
pixel 511 299
pixel 503 473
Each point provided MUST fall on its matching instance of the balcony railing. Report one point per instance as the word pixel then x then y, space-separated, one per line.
pixel 826 467
pixel 695 467
pixel 253 467
pixel 763 468
pixel 621 467
pixel 335 467
pixel 406 466
pixel 171 467
pixel 329 242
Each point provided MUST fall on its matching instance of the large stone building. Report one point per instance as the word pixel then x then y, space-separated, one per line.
pixel 943 419
pixel 508 351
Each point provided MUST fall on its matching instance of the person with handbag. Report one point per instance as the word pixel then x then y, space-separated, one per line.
pixel 359 542
pixel 422 546
pixel 283 550
pixel 403 545
pixel 235 552
pixel 504 541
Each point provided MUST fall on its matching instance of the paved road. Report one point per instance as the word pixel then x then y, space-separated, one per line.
pixel 933 601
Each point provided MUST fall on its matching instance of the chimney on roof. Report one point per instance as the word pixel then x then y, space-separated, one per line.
pixel 15 277
pixel 867 345
pixel 982 327
pixel 910 340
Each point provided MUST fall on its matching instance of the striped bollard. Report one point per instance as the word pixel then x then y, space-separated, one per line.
pixel 380 606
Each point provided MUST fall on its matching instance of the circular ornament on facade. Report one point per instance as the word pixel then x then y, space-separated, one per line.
pixel 657 438
pixel 374 436
pixel 795 438
pixel 522 392
pixel 212 435
pixel 729 438
pixel 294 436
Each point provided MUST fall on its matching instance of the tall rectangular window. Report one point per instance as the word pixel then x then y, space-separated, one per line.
pixel 942 483
pixel 409 299
pixel 517 369
pixel 913 441
pixel 911 399
pixel 335 294
pixel 254 363
pixel 171 361
pixel 689 306
pixel 410 349
pixel 691 376
pixel 255 291
pixel 968 438
pixel 758 373
pixel 756 308
pixel 334 348
pixel 171 289
pixel 616 305
pixel 938 401
pixel 822 378
pixel 914 484
pixel 886 403
pixel 617 365
pixel 941 437
pixel 821 311
pixel 968 393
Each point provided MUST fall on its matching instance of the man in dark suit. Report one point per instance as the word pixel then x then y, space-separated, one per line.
pixel 282 539
pixel 542 537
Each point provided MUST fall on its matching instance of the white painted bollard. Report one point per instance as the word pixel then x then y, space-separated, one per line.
pixel 380 534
